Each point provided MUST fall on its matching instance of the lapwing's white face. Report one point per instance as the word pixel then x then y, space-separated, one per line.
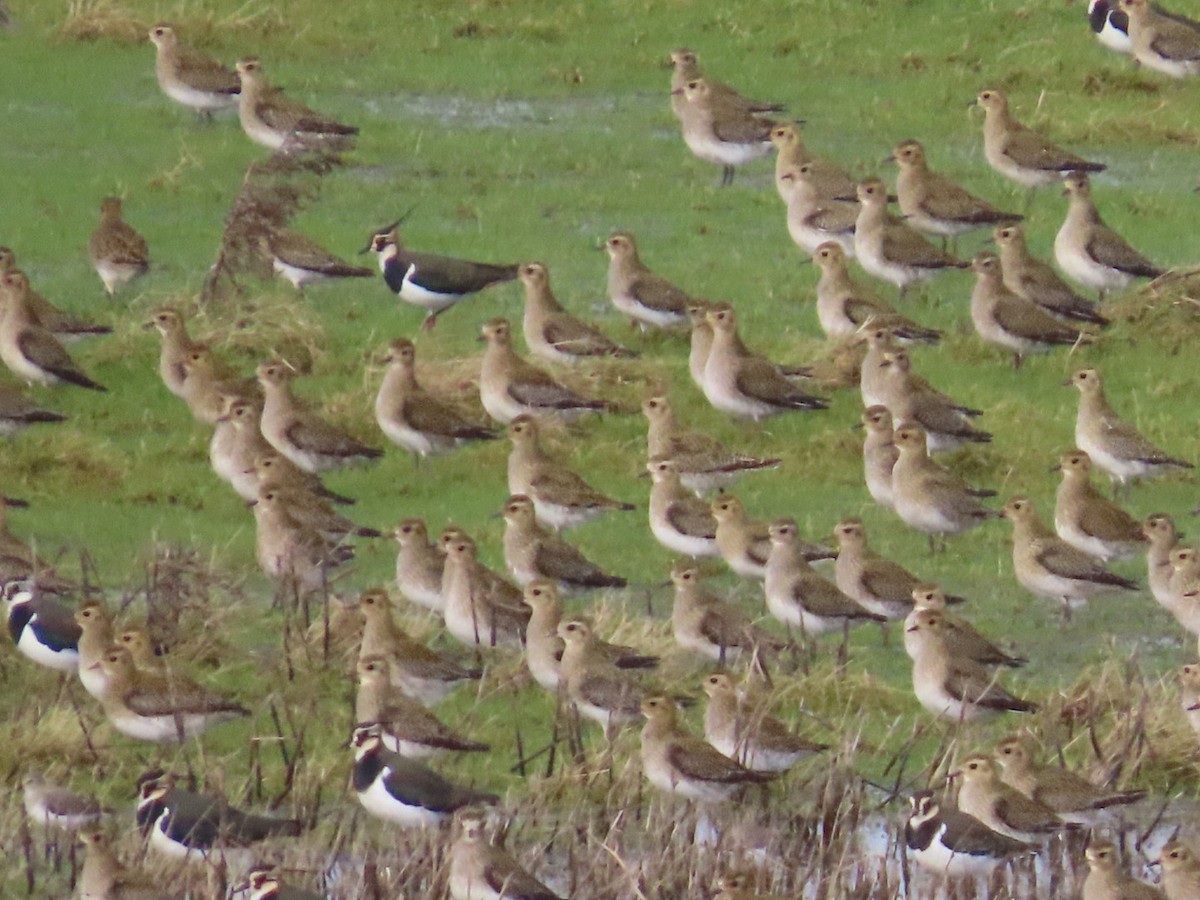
pixel 925 808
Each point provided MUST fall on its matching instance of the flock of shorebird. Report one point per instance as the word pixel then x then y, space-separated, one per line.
pixel 271 448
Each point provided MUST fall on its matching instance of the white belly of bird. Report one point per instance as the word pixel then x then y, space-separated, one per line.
pixel 473 626
pixel 663 777
pixel 1030 178
pixel 22 367
pixel 720 387
pixel 784 607
pixel 498 403
pixel 59 660
pixel 432 301
pixel 116 274
pixel 422 595
pixel 630 306
pixel 1092 545
pixel 1052 587
pixel 1079 265
pixel 261 134
pixel 545 672
pixel 700 644
pixel 377 801
pixel 163 729
pixel 1187 613
pixel 869 252
pixel 560 516
pixel 879 485
pixel 196 99
pixel 43 815
pixel 725 153
pixel 1122 469
pixel 400 434
pixel 297 276
pixel 808 237
pixel 937 857
pixel 931 693
pixel 695 547
pixel 1173 68
pixel 989 329
pixel 94 681
pixel 925 517
pixel 831 315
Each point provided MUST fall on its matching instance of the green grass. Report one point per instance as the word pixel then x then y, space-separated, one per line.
pixel 531 129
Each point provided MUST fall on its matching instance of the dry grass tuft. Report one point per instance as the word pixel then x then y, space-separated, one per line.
pixel 1165 312
pixel 95 20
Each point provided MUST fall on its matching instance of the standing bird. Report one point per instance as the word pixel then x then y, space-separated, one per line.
pixel 1089 251
pixel 433 283
pixel 401 790
pixel 41 628
pixel 96 637
pixel 679 521
pixel 302 436
pixel 744 385
pixel 595 685
pixel 844 306
pixel 474 614
pixel 960 636
pixel 745 543
pixel 1046 565
pixel 1086 519
pixel 1162 42
pixel 950 842
pixel 117 252
pixel 1162 538
pixel 294 553
pixel 159 708
pixel 647 298
pixel 1106 881
pixel 273 120
pixel 560 496
pixel 929 497
pixel 64 326
pixel 702 462
pixel 200 827
pixel 1021 154
pixel 1072 797
pixel 554 334
pixel 817 212
pixel 52 806
pixel 532 552
pixel 1038 283
pixel 879 454
pixel 192 78
pixel 934 204
pixel 720 131
pixel 31 352
pixel 1113 444
pixel 415 418
pixel 889 248
pixel 791 153
pixel 685 67
pixel 799 597
pixel 952 687
pixel 1000 806
pixel 419 566
pixel 1008 320
pixel 678 762
pixel 177 345
pixel 705 624
pixel 414 668
pixel 480 870
pixel 910 398
pixel 744 730
pixel 406 726
pixel 1111 24
pixel 510 387
pixel 302 261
